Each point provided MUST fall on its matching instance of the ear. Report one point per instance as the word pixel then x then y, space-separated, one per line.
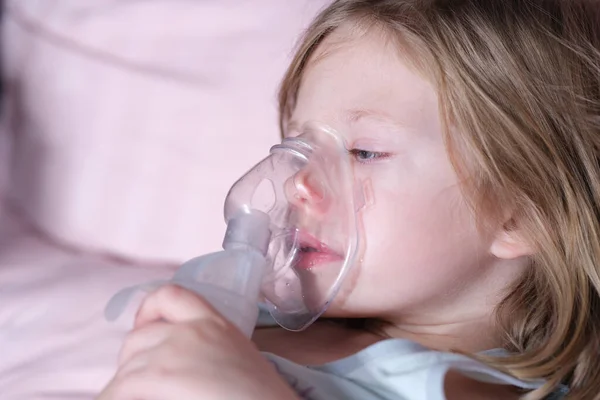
pixel 509 243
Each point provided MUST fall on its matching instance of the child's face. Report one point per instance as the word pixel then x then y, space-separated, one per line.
pixel 423 252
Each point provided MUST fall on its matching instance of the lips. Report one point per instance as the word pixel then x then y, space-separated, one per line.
pixel 313 253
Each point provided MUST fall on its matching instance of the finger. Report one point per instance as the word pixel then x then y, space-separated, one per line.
pixel 144 338
pixel 173 304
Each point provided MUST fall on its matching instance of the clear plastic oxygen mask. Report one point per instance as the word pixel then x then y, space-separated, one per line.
pixel 293 234
pixel 308 189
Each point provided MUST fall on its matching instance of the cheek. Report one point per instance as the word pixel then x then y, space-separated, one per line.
pixel 417 244
pixel 419 229
pixel 420 218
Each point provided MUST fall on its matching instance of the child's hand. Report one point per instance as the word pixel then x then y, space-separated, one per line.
pixel 181 348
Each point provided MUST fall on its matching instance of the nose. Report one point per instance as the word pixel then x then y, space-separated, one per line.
pixel 307 189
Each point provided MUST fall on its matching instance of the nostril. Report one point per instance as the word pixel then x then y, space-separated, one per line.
pixel 309 187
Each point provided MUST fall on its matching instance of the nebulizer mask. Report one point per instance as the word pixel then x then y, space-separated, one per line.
pixel 293 233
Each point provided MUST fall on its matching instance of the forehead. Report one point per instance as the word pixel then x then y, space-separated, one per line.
pixel 356 72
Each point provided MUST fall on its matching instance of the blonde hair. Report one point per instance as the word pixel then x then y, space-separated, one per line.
pixel 519 89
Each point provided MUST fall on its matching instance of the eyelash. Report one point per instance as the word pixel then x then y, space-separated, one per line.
pixel 371 156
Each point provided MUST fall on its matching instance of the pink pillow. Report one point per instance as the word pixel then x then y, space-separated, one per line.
pixel 134 118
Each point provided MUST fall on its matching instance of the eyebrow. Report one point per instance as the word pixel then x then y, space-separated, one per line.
pixel 354 115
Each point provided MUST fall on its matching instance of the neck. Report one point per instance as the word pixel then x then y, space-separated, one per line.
pixel 470 336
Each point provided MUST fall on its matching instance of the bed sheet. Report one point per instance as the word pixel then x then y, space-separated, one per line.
pixel 55 341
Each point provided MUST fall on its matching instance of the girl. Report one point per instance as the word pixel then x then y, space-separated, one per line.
pixel 477 122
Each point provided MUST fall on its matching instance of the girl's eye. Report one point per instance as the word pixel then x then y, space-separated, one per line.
pixel 366 156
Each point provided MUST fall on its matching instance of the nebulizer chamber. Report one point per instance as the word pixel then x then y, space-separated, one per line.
pixel 292 235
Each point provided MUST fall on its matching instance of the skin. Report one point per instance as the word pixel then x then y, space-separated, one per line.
pixel 437 278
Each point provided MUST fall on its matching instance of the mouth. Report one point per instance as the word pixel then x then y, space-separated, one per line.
pixel 313 253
